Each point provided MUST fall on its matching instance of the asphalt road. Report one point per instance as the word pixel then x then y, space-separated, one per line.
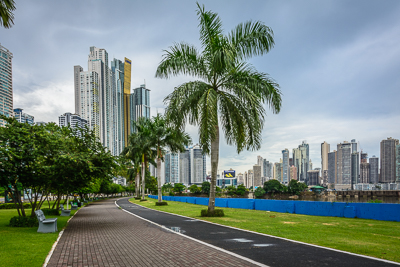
pixel 263 249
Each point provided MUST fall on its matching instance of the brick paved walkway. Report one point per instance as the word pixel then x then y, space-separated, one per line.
pixel 103 235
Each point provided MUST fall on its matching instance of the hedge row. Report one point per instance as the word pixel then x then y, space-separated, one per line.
pixel 8 206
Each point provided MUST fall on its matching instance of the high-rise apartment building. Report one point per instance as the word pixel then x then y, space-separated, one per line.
pixel 171 167
pixel 398 164
pixel 23 117
pixel 364 173
pixel 388 160
pixel 128 116
pixel 90 100
pixel 257 175
pixel 325 149
pixel 6 83
pixel 141 102
pixel 278 171
pixel 301 160
pixel 344 151
pixel 197 165
pixel 355 163
pixel 313 177
pixel 184 167
pixel 374 170
pixel 77 88
pixel 240 179
pixel 260 162
pixel 74 120
pixel 250 179
pixel 285 166
pixel 118 82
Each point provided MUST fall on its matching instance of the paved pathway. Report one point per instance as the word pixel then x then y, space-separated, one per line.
pixel 103 235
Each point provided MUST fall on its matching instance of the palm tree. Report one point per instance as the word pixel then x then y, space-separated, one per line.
pixel 6 13
pixel 140 150
pixel 164 136
pixel 228 92
pixel 132 152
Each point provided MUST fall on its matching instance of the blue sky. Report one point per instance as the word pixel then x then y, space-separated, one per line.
pixel 337 62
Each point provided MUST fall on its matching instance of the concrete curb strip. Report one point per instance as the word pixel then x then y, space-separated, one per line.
pixel 198 241
pixel 277 237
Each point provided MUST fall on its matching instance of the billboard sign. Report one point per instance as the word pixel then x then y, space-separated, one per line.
pixel 229 174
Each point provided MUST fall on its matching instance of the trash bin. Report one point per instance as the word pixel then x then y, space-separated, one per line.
pixel 79 204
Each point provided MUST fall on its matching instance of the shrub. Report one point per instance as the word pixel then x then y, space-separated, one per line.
pixel 50 212
pixel 20 221
pixel 137 198
pixel 375 201
pixel 194 189
pixel 162 203
pixel 143 200
pixel 7 206
pixel 171 194
pixel 216 213
pixel 240 190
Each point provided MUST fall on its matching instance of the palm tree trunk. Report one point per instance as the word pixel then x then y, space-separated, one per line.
pixel 137 184
pixel 159 179
pixel 214 170
pixel 143 175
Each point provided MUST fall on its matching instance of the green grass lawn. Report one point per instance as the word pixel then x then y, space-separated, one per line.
pixel 379 239
pixel 24 246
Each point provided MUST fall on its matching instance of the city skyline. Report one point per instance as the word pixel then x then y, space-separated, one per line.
pixel 336 63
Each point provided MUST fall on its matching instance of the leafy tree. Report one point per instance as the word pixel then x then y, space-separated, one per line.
pixel 194 189
pixel 259 192
pixel 205 187
pixel 228 92
pixel 164 136
pixel 167 187
pixel 295 187
pixel 178 188
pixel 273 186
pixel 231 190
pixel 6 13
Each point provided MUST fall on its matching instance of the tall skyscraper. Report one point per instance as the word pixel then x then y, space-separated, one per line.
pixel 388 160
pixel 325 149
pixel 6 83
pixel 344 163
pixel 313 177
pixel 127 100
pixel 332 167
pixel 23 117
pixel 374 170
pixel 184 167
pixel 172 167
pixel 398 164
pixel 354 147
pixel 118 82
pixel 141 102
pixel 240 179
pixel 364 173
pixel 285 166
pixel 197 165
pixel 90 100
pixel 77 88
pixel 301 160
pixel 260 162
pixel 257 175
pixel 355 163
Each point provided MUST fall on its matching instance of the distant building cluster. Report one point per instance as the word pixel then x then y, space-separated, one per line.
pixel 188 167
pixel 345 168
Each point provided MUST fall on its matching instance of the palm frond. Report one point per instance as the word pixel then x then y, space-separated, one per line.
pixel 6 13
pixel 251 39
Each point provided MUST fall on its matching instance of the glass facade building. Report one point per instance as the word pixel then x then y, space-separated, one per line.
pixel 6 83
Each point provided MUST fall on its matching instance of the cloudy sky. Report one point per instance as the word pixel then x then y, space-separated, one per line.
pixel 337 62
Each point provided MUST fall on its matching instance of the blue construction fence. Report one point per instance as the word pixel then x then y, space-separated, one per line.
pixel 375 211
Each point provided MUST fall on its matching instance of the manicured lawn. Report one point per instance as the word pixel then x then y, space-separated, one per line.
pixel 24 246
pixel 379 239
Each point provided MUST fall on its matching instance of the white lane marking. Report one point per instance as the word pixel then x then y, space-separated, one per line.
pixel 201 242
pixel 282 238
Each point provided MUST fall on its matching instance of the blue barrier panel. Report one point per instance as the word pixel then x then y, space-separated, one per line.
pixel 319 208
pixel 275 205
pixel 349 212
pixel 241 203
pixel 221 202
pixel 191 200
pixel 182 199
pixel 202 201
pixel 377 211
